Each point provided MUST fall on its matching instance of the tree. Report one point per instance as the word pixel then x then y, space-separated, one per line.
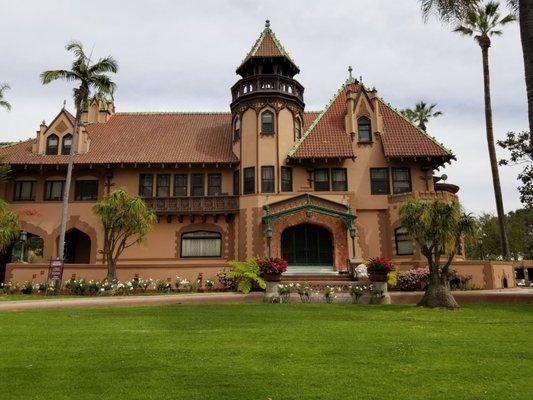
pixel 88 77
pixel 126 221
pixel 482 22
pixel 4 103
pixel 437 226
pixel 5 170
pixel 518 146
pixel 421 114
pixel 9 226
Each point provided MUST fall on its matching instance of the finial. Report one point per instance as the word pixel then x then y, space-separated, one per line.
pixel 361 78
pixel 43 123
pixel 64 104
pixel 267 23
pixel 350 69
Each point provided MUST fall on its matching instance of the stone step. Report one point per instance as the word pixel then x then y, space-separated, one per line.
pixel 301 278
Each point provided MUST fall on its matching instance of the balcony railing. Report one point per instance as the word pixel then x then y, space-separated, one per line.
pixel 194 205
pixel 267 83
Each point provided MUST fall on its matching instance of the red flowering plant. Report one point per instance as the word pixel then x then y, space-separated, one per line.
pixel 272 265
pixel 379 266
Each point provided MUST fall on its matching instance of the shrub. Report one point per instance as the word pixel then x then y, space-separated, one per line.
pixel 225 281
pixel 413 280
pixel 357 291
pixel 144 284
pixel 9 287
pixel 245 273
pixel 162 285
pixel 379 265
pixel 77 286
pixel 329 294
pixel 209 284
pixel 27 288
pixel 304 291
pixel 183 285
pixel 284 292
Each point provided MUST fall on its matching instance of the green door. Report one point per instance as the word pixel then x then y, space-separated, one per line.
pixel 307 245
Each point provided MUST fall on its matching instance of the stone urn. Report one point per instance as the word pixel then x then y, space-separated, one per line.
pixel 379 277
pixel 272 277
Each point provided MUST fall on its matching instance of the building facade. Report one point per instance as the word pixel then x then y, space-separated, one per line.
pixel 265 178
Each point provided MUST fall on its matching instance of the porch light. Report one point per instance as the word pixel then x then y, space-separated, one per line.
pixel 23 236
pixel 352 232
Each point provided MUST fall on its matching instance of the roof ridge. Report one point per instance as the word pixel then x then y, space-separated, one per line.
pixel 432 138
pixel 296 145
pixel 173 113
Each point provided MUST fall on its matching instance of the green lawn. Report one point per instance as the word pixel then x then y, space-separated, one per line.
pixel 268 351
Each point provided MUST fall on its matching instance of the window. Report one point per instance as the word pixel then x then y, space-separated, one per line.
pixel 146 185
pixel 321 179
pixel 86 190
pixel 197 185
pixel 286 179
pixel 180 185
pixel 267 179
pixel 67 144
pixel 214 184
pixel 249 180
pixel 163 185
pixel 237 129
pixel 201 244
pixel 24 191
pixel 267 122
pixel 364 129
pixel 404 244
pixel 52 144
pixel 298 128
pixel 236 182
pixel 339 181
pixel 401 180
pixel 379 181
pixel 53 190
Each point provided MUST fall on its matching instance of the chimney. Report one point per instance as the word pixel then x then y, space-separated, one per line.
pixel 349 121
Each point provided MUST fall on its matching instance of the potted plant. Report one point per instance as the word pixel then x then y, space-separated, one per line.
pixel 272 268
pixel 378 269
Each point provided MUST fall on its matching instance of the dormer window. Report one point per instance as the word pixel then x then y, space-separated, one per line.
pixel 52 144
pixel 364 129
pixel 298 128
pixel 67 144
pixel 237 129
pixel 267 122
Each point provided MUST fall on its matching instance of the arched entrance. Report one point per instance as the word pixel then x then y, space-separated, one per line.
pixel 307 245
pixel 77 247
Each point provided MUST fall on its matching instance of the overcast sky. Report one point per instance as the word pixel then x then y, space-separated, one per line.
pixel 182 55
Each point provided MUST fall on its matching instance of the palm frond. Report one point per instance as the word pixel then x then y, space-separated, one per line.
pixel 106 64
pixel 53 75
pixel 463 30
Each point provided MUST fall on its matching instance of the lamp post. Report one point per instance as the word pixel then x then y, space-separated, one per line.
pixel 23 237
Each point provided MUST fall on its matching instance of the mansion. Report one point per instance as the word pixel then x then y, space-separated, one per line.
pixel 320 189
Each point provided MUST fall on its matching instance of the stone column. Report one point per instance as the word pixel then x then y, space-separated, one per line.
pixel 380 287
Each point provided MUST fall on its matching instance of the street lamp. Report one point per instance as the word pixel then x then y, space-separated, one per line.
pixel 23 237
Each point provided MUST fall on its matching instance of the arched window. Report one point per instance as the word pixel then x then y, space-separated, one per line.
pixel 404 243
pixel 267 122
pixel 52 144
pixel 237 129
pixel 201 244
pixel 298 128
pixel 364 128
pixel 67 144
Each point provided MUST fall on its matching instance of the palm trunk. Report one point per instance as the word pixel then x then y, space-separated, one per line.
pixel 66 189
pixel 504 243
pixel 526 35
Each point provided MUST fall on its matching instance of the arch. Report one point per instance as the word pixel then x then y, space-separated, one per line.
pixel 268 121
pixel 77 247
pixel 307 244
pixel 236 128
pixel 66 144
pixel 203 227
pixel 75 222
pixel 364 129
pixel 52 144
pixel 297 128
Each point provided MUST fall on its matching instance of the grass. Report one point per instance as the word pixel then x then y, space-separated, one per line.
pixel 266 351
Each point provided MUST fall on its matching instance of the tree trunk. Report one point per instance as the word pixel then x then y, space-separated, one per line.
pixel 438 295
pixel 526 35
pixel 68 180
pixel 492 151
pixel 111 269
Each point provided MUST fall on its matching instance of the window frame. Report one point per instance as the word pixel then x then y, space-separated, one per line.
pixel 159 186
pixel 298 132
pixel 394 181
pixel 410 240
pixel 63 148
pixel 18 185
pixel 387 180
pixel 209 186
pixel 321 182
pixel 344 182
pixel 362 122
pixel 268 131
pixel 176 186
pixel 215 235
pixel 236 128
pixel 286 184
pixel 78 183
pixel 48 151
pixel 268 185
pixel 142 186
pixel 248 182
pixel 237 182
pixel 198 186
pixel 50 184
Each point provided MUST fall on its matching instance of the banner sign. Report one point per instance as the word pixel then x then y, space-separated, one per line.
pixel 55 270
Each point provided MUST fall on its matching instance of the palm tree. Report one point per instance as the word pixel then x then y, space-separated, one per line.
pixel 88 77
pixel 482 22
pixel 4 103
pixel 421 114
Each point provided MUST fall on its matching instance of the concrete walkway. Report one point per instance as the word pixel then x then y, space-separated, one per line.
pixel 502 296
